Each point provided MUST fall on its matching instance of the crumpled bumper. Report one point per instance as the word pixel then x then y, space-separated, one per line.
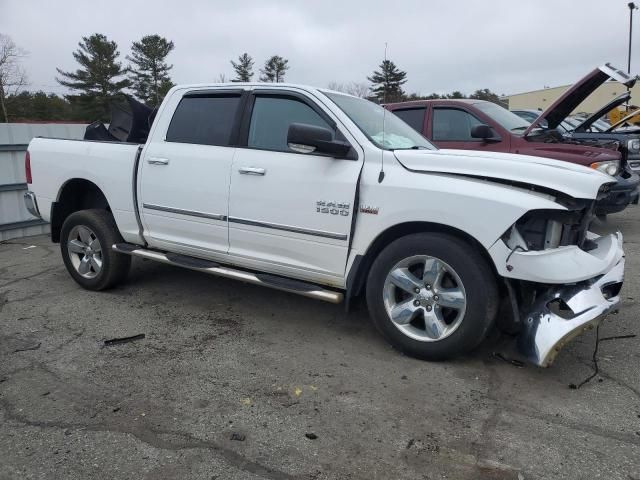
pixel 562 265
pixel 565 311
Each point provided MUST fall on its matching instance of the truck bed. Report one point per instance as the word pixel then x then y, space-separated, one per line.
pixel 109 165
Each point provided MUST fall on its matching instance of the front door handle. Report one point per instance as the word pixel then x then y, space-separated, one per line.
pixel 251 171
pixel 158 161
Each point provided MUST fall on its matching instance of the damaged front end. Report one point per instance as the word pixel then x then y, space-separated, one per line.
pixel 561 312
pixel 562 279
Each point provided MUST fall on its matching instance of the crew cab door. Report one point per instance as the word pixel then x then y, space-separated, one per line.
pixel 290 211
pixel 185 168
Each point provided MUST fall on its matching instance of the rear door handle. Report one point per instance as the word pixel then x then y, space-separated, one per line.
pixel 251 171
pixel 158 161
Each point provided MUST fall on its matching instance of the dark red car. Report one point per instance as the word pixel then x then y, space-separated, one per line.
pixel 482 125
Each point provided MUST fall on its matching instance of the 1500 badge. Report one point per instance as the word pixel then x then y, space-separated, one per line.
pixel 333 208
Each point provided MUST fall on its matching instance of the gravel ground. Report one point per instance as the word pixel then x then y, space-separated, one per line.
pixel 233 381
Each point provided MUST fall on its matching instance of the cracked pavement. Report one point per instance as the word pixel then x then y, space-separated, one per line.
pixel 223 358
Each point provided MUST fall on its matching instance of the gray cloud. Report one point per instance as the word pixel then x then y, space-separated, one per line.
pixel 507 46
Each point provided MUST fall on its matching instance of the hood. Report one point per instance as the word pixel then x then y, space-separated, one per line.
pixel 624 120
pixel 574 180
pixel 615 103
pixel 576 94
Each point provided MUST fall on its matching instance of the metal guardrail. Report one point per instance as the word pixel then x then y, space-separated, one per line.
pixel 14 148
pixel 5 227
pixel 10 187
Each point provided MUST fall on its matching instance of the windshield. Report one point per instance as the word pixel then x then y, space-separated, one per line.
pixel 368 117
pixel 504 117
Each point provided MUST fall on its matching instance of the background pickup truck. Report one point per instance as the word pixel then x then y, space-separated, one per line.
pixel 330 196
pixel 481 125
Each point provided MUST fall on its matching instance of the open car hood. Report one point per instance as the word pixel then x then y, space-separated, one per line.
pixel 615 103
pixel 575 95
pixel 574 180
pixel 623 120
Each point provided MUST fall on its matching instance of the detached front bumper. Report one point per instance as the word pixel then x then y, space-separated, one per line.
pixel 565 311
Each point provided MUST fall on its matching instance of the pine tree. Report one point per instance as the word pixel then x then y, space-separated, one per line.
pixel 149 72
pixel 97 80
pixel 387 83
pixel 274 69
pixel 244 68
pixel 486 94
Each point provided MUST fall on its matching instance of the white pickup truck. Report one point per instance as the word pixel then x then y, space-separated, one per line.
pixel 327 195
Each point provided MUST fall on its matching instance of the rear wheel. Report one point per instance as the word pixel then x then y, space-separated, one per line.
pixel 432 295
pixel 85 242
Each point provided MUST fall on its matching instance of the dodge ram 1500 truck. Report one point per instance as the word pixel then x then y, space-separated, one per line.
pixel 330 196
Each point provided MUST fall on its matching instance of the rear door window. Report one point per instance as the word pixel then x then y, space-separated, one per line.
pixel 204 120
pixel 414 117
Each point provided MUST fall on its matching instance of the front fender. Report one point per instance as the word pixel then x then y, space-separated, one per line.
pixel 482 209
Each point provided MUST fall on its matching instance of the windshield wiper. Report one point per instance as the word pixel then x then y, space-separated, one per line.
pixel 415 147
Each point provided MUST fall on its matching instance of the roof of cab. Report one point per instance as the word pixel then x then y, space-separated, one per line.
pixel 254 85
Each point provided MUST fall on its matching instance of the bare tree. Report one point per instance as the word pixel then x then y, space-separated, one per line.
pixel 222 78
pixel 357 89
pixel 12 75
pixel 338 87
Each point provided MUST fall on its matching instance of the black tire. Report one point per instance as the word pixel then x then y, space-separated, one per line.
pixel 479 285
pixel 115 266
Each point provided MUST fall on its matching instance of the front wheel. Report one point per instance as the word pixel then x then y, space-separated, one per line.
pixel 432 296
pixel 85 241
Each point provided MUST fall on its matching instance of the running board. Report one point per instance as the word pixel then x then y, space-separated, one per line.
pixel 265 279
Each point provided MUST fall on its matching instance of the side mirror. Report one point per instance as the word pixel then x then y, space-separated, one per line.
pixel 305 138
pixel 481 131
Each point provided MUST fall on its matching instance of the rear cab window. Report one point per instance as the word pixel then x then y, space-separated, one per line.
pixel 204 119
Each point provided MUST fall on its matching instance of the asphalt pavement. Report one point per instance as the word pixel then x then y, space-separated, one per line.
pixel 233 381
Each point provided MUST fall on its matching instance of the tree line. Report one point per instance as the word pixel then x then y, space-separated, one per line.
pixel 386 86
pixel 100 76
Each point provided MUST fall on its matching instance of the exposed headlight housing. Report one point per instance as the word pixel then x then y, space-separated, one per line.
pixel 634 145
pixel 543 229
pixel 610 167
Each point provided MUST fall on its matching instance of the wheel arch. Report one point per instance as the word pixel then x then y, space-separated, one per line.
pixel 74 195
pixel 357 276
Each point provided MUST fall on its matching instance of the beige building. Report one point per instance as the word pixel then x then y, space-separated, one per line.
pixel 541 99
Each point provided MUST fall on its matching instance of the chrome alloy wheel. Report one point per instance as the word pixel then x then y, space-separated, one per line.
pixel 424 298
pixel 85 251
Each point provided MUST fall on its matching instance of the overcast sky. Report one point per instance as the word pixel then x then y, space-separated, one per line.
pixel 505 45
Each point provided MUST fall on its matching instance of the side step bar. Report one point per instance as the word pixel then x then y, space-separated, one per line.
pixel 265 279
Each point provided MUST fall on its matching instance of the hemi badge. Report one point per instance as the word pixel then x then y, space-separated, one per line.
pixel 369 209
